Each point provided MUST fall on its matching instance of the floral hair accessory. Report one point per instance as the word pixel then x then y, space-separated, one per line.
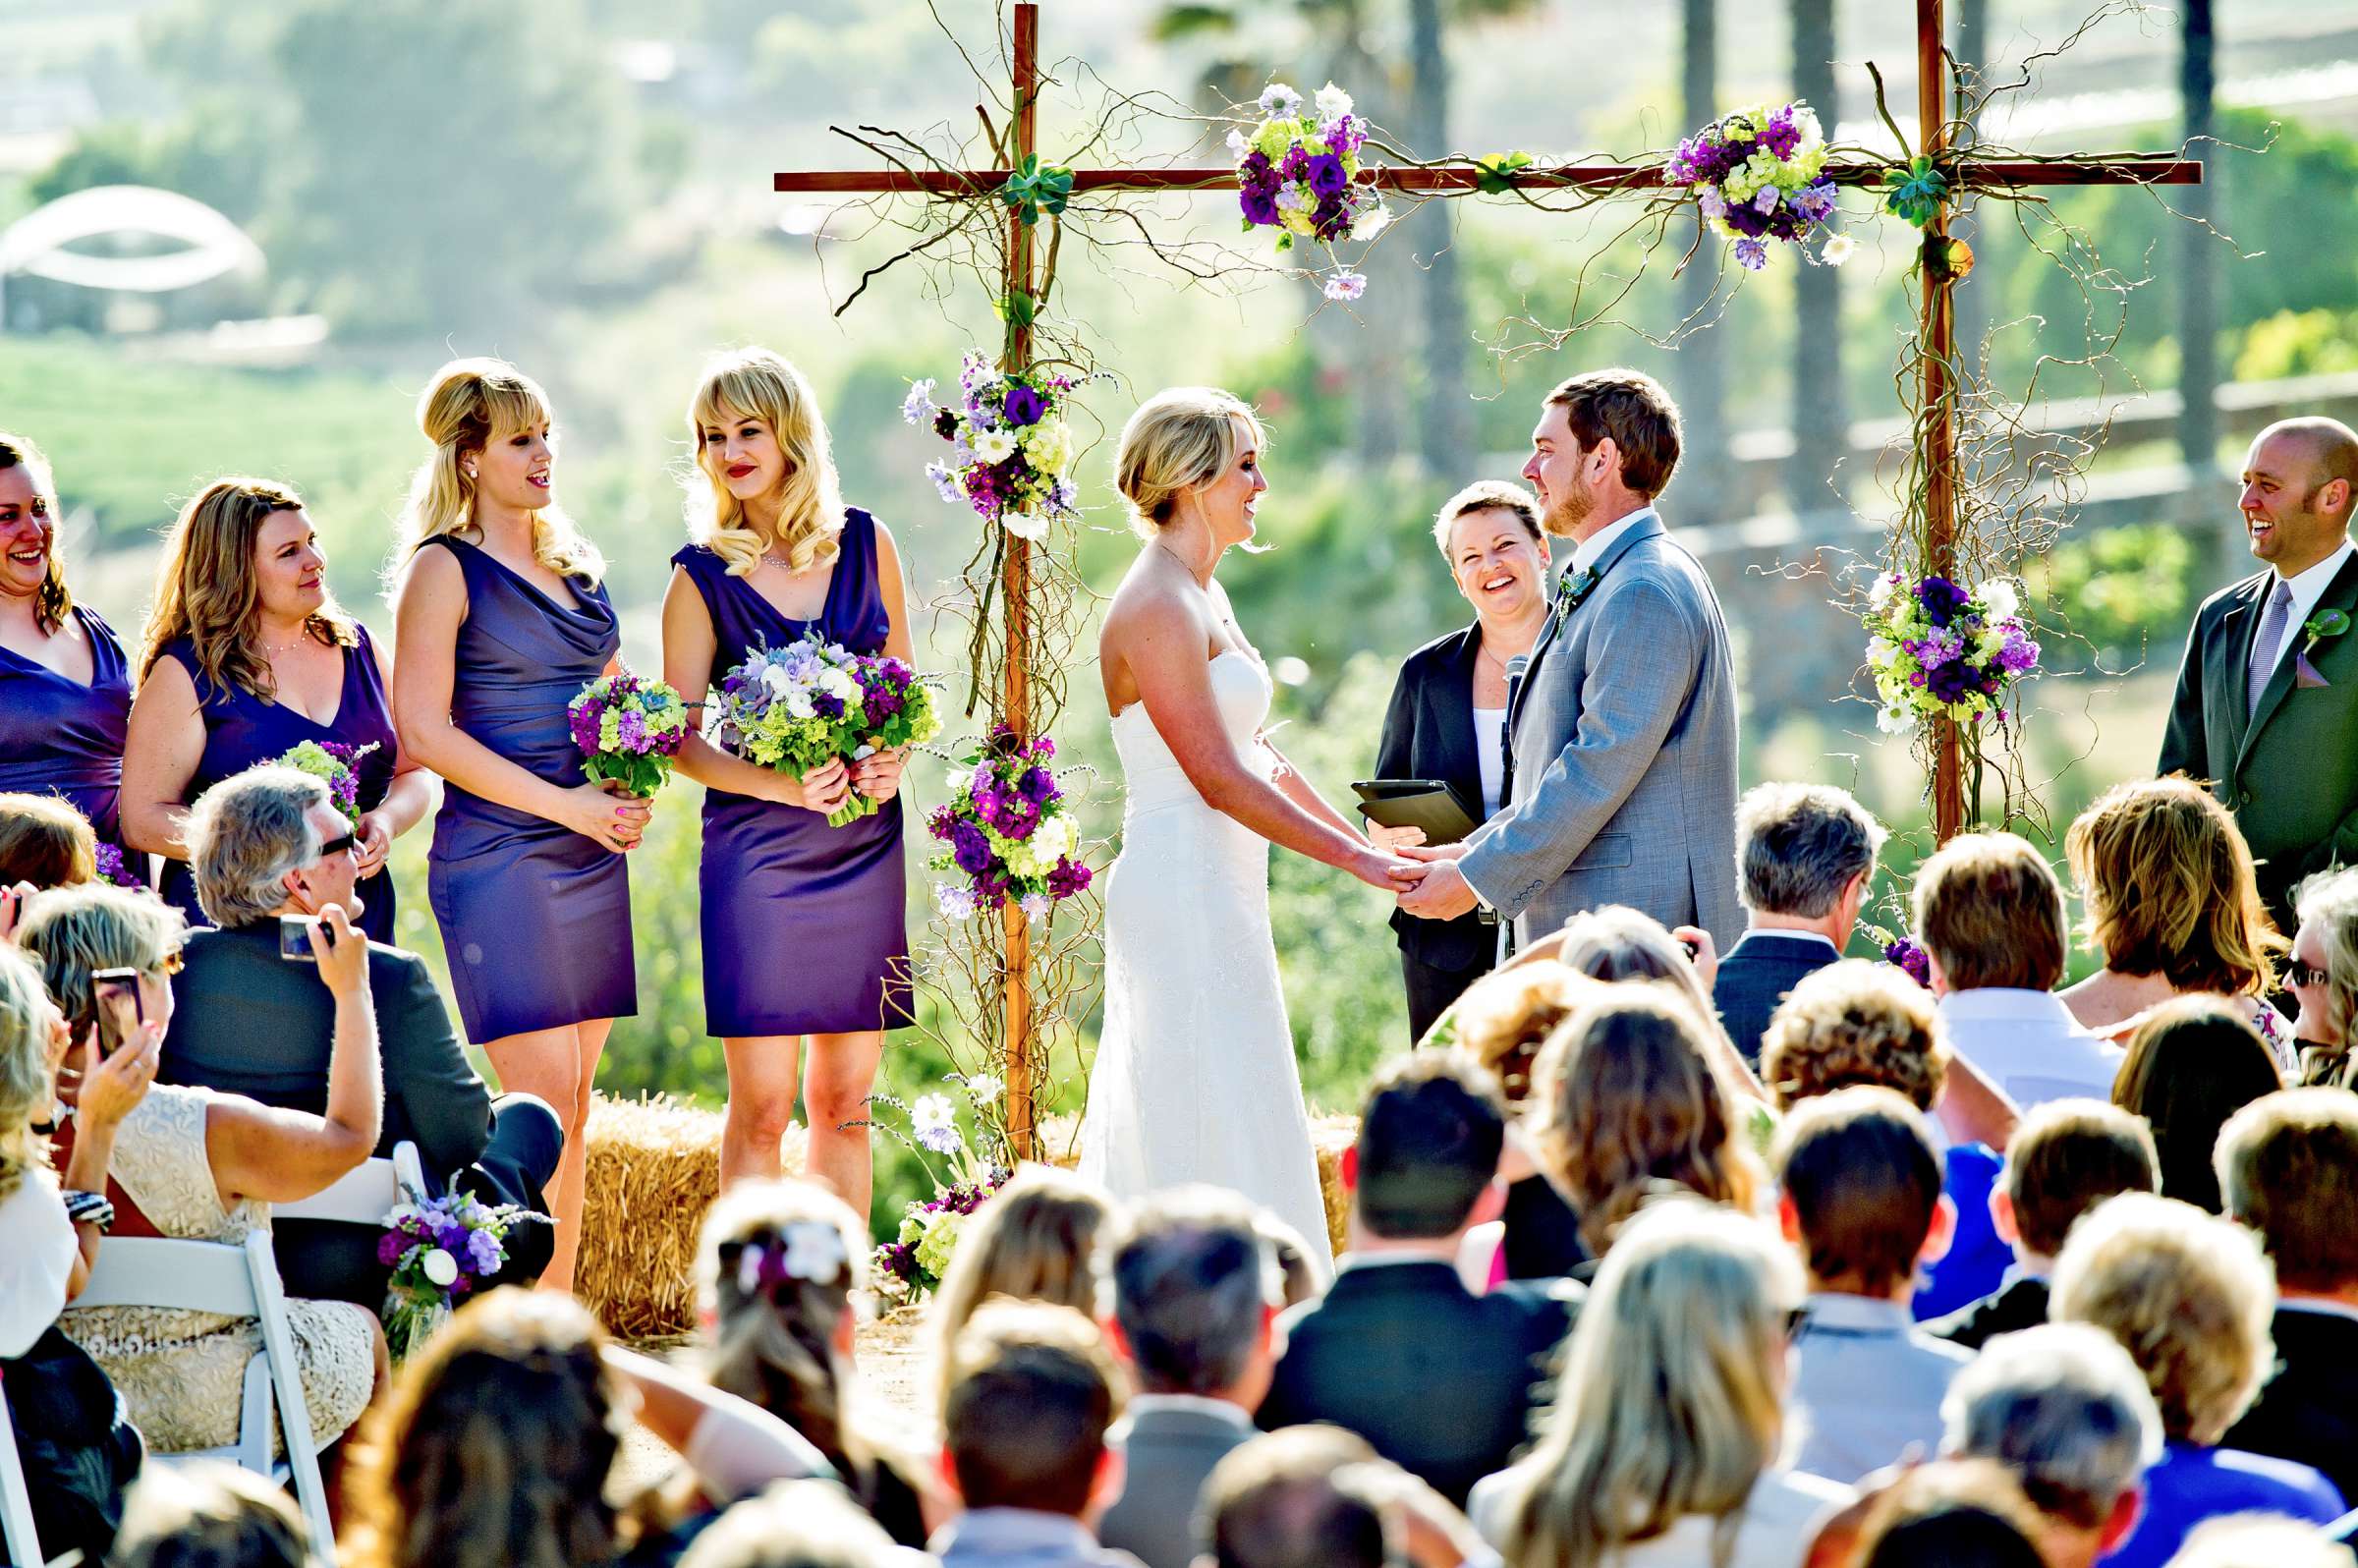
pixel 809 1250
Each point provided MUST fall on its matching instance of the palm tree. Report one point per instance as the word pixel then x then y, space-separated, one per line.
pixel 1821 412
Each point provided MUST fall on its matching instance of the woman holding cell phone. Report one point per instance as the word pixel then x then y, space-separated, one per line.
pixel 502 622
pixel 202 1165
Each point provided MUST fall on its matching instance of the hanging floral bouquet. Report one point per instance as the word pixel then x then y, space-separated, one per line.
pixel 1938 652
pixel 336 763
pixel 1911 960
pixel 910 1266
pixel 628 731
pixel 1758 175
pixel 798 708
pixel 440 1249
pixel 114 868
pixel 1011 449
pixel 1298 173
pixel 1008 831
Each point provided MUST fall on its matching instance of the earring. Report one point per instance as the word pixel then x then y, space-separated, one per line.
pixel 470 471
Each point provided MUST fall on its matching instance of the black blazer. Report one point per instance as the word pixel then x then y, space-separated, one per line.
pixel 2019 1306
pixel 1440 1381
pixel 1755 977
pixel 2309 1411
pixel 247 1022
pixel 1429 733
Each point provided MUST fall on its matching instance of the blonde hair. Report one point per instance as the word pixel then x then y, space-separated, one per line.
pixel 2187 1294
pixel 1506 1015
pixel 1628 1104
pixel 1670 1405
pixel 1178 439
pixel 53 603
pixel 2330 899
pixel 44 841
pixel 2170 888
pixel 754 384
pixel 1489 496
pixel 71 931
pixel 1035 1240
pixel 774 1332
pixel 27 1084
pixel 469 404
pixel 1854 1021
pixel 206 589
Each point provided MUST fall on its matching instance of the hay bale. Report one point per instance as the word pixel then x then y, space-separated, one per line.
pixel 654 1168
pixel 1329 1135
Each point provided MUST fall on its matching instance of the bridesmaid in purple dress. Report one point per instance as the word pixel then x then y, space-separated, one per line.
pixel 502 622
pixel 804 925
pixel 64 686
pixel 247 655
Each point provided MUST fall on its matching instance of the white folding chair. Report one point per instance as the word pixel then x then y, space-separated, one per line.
pixel 16 1503
pixel 235 1281
pixel 365 1194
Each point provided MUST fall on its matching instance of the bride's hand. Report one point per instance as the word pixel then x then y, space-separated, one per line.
pixel 1386 871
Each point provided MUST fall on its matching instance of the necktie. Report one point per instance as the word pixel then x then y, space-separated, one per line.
pixel 2269 643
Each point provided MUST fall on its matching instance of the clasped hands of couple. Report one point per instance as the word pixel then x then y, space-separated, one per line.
pixel 1424 876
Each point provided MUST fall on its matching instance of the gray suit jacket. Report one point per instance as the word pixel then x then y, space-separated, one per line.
pixel 1625 757
pixel 1167 1452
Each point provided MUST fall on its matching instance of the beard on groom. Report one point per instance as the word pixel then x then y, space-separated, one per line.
pixel 1621 734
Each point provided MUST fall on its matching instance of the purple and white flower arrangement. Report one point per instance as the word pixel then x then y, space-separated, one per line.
pixel 1008 831
pixel 1938 652
pixel 798 708
pixel 1298 172
pixel 629 730
pixel 911 1265
pixel 1758 175
pixel 1011 448
pixel 338 764
pixel 114 870
pixel 440 1249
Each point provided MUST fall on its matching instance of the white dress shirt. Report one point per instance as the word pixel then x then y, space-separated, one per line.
pixel 2307 589
pixel 42 1248
pixel 1590 550
pixel 2030 1043
pixel 1867 1385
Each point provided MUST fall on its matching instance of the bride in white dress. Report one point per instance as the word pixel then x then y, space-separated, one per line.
pixel 1195 1078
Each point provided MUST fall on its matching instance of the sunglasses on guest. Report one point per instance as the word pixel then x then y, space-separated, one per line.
pixel 349 844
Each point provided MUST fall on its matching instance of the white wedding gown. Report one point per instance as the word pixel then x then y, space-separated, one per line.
pixel 1195 1078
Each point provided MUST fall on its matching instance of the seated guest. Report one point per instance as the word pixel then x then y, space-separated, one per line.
pixel 799 1524
pixel 500 1436
pixel 1663 1446
pixel 2323 978
pixel 2256 1541
pixel 2192 1064
pixel 1035 1240
pixel 776 1270
pixel 1440 1381
pixel 2070 1156
pixel 46 842
pixel 1859 1023
pixel 1989 913
pixel 1319 1497
pixel 203 1165
pixel 210 1515
pixel 1192 1317
pixel 2175 904
pixel 1629 1104
pixel 1502 1022
pixel 2188 1296
pixel 1805 854
pixel 1952 1514
pixel 1862 1202
pixel 270 843
pixel 76 1451
pixel 2288 1167
pixel 1033 1395
pixel 1618 943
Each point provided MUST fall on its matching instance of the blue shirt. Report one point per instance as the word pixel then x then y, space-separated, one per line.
pixel 2189 1484
pixel 1975 1263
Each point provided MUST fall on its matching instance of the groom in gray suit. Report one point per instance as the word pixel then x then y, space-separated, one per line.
pixel 1623 728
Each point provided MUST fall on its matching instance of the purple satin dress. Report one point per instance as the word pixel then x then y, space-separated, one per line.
pixel 804 925
pixel 535 918
pixel 60 736
pixel 243 730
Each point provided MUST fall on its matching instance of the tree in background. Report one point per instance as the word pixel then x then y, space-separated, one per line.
pixel 1701 373
pixel 1820 413
pixel 2197 285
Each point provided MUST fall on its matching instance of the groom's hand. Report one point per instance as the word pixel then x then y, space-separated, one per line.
pixel 1443 894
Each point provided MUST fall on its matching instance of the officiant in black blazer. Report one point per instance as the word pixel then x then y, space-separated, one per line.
pixel 1448 709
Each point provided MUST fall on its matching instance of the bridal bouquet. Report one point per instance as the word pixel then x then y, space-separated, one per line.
pixel 1007 830
pixel 1011 450
pixel 339 765
pixel 798 708
pixel 911 1265
pixel 1298 173
pixel 1938 652
pixel 439 1250
pixel 628 731
pixel 1758 175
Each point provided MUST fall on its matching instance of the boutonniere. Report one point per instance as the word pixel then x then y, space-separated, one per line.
pixel 1576 586
pixel 2323 625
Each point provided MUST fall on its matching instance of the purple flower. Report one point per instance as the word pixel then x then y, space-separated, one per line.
pixel 971 849
pixel 389 1248
pixel 828 704
pixel 1067 877
pixel 1345 287
pixel 2019 653
pixel 485 1254
pixel 1751 255
pixel 1326 176
pixel 1038 784
pixel 1260 204
pixel 1942 600
pixel 1911 958
pixel 1025 405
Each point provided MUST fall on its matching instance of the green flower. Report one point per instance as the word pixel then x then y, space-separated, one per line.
pixel 2324 624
